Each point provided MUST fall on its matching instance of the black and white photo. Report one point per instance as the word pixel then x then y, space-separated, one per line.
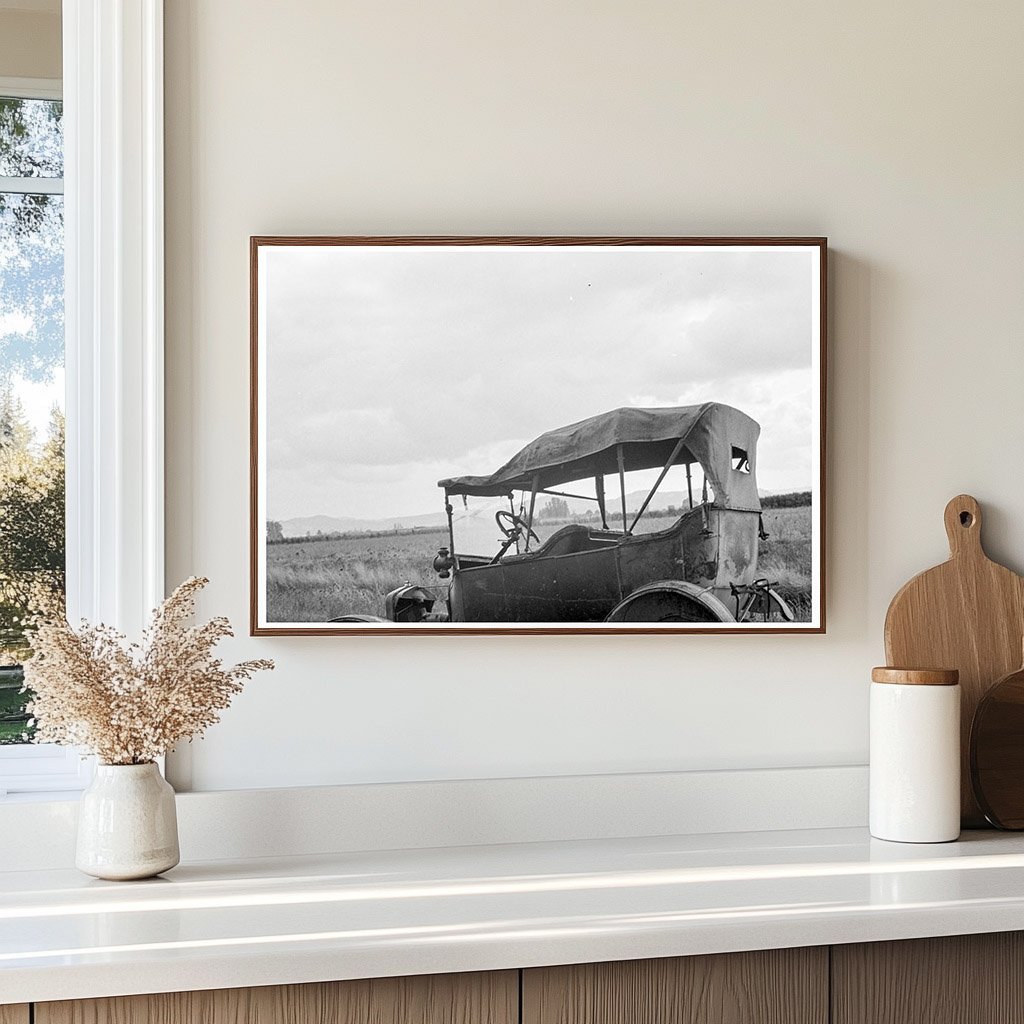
pixel 486 435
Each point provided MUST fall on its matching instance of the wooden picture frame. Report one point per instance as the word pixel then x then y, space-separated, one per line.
pixel 576 365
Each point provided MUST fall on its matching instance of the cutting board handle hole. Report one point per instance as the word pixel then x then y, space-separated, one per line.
pixel 962 519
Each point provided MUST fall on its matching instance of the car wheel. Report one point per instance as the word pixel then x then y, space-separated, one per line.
pixel 670 604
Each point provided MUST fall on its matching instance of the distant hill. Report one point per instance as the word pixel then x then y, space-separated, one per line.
pixel 311 525
pixel 305 526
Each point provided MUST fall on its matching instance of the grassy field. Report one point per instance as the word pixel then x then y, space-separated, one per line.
pixel 318 579
pixel 785 557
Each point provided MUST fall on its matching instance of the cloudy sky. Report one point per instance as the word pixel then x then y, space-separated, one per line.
pixel 388 368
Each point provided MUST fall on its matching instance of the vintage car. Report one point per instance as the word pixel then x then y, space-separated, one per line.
pixel 700 568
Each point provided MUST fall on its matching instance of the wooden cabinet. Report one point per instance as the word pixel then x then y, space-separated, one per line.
pixel 779 986
pixel 491 998
pixel 972 979
pixel 963 979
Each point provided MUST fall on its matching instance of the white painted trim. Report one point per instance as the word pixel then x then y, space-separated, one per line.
pixel 245 824
pixel 32 186
pixel 43 768
pixel 32 88
pixel 113 84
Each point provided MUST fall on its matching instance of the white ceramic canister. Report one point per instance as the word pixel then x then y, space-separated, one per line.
pixel 915 755
pixel 127 825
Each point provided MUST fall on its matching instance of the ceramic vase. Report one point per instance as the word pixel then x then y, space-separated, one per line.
pixel 127 825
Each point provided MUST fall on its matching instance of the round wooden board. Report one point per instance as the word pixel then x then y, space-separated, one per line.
pixel 997 752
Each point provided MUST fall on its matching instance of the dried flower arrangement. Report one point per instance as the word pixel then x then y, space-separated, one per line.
pixel 130 703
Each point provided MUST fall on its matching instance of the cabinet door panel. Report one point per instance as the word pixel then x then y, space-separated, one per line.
pixel 14 1014
pixel 962 979
pixel 490 998
pixel 780 986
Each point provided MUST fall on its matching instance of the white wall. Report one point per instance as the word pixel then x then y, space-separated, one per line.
pixel 894 129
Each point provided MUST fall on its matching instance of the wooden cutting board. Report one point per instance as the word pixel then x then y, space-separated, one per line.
pixel 967 614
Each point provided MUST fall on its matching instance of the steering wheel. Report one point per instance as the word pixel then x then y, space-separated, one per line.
pixel 516 527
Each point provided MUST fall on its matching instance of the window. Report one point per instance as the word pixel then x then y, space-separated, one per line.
pixel 32 532
pixel 31 382
pixel 740 460
pixel 112 145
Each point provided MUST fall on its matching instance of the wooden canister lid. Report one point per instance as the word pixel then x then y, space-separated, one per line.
pixel 916 676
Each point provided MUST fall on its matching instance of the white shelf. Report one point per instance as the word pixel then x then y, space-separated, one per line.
pixel 352 915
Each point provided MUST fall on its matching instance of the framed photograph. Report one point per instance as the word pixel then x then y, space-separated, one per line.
pixel 537 435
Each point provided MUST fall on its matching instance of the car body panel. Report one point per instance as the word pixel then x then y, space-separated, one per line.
pixel 706 546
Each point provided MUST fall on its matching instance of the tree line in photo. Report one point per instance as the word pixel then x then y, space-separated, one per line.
pixel 553 510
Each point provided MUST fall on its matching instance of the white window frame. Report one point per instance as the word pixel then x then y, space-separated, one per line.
pixel 114 326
